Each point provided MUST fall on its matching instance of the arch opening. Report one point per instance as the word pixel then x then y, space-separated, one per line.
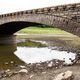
pixel 12 27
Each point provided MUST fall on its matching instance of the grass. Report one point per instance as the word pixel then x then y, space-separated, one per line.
pixel 39 30
pixel 31 44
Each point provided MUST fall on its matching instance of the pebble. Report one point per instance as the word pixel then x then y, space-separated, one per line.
pixel 12 62
pixel 50 64
pixel 57 62
pixel 7 70
pixel 23 67
pixel 23 71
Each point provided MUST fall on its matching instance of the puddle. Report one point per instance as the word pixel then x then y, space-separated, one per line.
pixel 37 55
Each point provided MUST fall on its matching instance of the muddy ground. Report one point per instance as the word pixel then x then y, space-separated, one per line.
pixel 41 71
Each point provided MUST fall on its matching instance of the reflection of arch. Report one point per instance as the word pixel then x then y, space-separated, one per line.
pixel 13 23
pixel 7 54
pixel 8 40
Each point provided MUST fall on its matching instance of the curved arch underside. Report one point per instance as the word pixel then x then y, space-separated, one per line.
pixel 12 27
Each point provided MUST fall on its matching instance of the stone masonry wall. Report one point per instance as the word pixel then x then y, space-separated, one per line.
pixel 66 17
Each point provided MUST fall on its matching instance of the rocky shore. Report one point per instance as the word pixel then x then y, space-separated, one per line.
pixel 32 68
pixel 45 70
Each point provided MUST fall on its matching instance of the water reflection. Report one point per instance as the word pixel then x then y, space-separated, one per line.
pixel 6 40
pixel 7 57
pixel 22 51
pixel 37 55
pixel 32 51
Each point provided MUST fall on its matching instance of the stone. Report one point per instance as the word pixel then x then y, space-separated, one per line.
pixel 23 71
pixel 8 70
pixel 12 62
pixel 23 67
pixel 50 64
pixel 68 75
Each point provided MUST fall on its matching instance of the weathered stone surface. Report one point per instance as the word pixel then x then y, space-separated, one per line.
pixel 68 75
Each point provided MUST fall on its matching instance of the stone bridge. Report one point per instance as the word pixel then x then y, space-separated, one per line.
pixel 65 17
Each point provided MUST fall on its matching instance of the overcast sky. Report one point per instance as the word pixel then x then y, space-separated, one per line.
pixel 7 6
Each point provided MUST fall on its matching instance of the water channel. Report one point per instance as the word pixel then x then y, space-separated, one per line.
pixel 16 51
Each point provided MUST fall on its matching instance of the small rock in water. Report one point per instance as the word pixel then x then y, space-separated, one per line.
pixel 50 64
pixel 23 71
pixel 68 75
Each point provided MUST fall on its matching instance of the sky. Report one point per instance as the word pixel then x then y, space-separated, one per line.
pixel 8 6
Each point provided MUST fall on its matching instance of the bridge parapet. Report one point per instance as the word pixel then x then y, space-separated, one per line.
pixel 71 11
pixel 65 9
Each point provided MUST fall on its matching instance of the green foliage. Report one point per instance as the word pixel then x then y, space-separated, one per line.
pixel 29 43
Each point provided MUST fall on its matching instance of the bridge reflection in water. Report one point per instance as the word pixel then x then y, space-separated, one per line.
pixel 7 48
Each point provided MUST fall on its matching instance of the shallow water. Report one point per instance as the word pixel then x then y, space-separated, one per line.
pixel 15 52
pixel 37 55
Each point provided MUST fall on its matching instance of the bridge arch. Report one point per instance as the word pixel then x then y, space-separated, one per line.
pixel 11 23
